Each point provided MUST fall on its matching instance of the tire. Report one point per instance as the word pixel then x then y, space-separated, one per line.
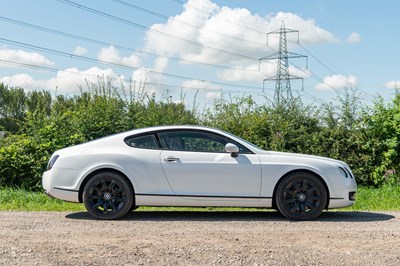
pixel 301 196
pixel 108 196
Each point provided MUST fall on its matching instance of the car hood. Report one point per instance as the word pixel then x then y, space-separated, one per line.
pixel 303 157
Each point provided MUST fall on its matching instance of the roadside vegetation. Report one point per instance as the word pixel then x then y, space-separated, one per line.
pixel 385 198
pixel 37 123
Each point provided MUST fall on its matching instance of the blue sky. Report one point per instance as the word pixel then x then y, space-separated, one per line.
pixel 203 46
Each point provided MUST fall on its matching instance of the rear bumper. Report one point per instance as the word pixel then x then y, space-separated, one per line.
pixel 58 191
pixel 48 194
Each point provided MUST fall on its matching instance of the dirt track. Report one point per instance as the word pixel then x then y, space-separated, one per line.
pixel 199 238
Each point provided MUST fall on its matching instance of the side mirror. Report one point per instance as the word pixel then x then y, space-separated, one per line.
pixel 232 149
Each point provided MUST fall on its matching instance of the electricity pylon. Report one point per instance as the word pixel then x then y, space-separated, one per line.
pixel 283 92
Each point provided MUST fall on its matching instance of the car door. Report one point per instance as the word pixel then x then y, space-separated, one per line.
pixel 196 165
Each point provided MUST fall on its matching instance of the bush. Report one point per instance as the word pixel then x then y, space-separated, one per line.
pixel 367 138
pixel 22 161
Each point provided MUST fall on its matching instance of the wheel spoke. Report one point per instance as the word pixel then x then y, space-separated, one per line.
pixel 113 207
pixel 288 201
pixel 313 198
pixel 98 190
pixel 295 207
pixel 115 192
pixel 97 205
pixel 305 184
pixel 311 189
pixel 119 199
pixel 290 192
pixel 95 197
pixel 297 186
pixel 103 185
pixel 302 208
pixel 111 186
pixel 311 206
pixel 106 205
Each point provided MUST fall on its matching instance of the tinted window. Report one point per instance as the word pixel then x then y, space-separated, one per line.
pixel 192 141
pixel 198 141
pixel 144 142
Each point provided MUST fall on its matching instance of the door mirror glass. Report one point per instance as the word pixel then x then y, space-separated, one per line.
pixel 232 149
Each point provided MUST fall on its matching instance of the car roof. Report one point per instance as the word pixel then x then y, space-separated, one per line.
pixel 169 127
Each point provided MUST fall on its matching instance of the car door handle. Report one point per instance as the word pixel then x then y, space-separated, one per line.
pixel 171 159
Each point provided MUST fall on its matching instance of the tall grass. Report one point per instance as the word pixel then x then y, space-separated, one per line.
pixel 22 200
pixel 385 198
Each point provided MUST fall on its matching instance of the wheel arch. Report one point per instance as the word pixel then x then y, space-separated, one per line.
pixel 105 169
pixel 300 171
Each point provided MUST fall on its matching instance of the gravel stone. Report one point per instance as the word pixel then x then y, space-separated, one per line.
pixel 199 238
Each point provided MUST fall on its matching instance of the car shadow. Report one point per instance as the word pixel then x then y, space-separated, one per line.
pixel 334 216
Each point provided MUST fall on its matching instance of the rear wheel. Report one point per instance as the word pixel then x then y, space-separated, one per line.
pixel 108 196
pixel 301 196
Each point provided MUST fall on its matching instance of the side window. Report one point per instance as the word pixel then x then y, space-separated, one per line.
pixel 197 141
pixel 144 141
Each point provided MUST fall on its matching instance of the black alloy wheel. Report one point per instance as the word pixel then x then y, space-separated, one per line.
pixel 108 196
pixel 301 196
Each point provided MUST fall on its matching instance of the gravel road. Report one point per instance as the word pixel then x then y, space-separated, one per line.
pixel 199 238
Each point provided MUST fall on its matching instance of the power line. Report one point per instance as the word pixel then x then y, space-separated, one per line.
pixel 126 48
pixel 197 89
pixel 109 16
pixel 88 59
pixel 53 69
pixel 333 72
pixel 77 37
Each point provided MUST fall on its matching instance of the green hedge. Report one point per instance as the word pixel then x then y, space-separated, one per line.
pixel 366 137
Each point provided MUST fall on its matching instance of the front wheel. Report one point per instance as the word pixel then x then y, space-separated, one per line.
pixel 108 196
pixel 301 196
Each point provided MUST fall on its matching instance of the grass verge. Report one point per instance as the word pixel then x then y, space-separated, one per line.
pixel 22 200
pixel 385 198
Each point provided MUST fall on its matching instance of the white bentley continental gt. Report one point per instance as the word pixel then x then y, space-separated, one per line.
pixel 194 166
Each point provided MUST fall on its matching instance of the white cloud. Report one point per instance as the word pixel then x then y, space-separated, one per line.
pixel 79 50
pixel 64 82
pixel 309 32
pixel 354 37
pixel 22 80
pixel 111 54
pixel 252 72
pixel 68 81
pixel 200 85
pixel 148 75
pixel 212 96
pixel 212 30
pixel 152 78
pixel 24 57
pixel 337 82
pixel 302 73
pixel 248 73
pixel 393 84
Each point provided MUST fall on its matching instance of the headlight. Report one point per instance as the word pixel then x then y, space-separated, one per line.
pixel 52 161
pixel 343 172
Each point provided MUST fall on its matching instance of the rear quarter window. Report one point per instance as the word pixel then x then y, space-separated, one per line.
pixel 143 142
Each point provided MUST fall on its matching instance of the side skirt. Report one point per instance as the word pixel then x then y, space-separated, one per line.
pixel 201 201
